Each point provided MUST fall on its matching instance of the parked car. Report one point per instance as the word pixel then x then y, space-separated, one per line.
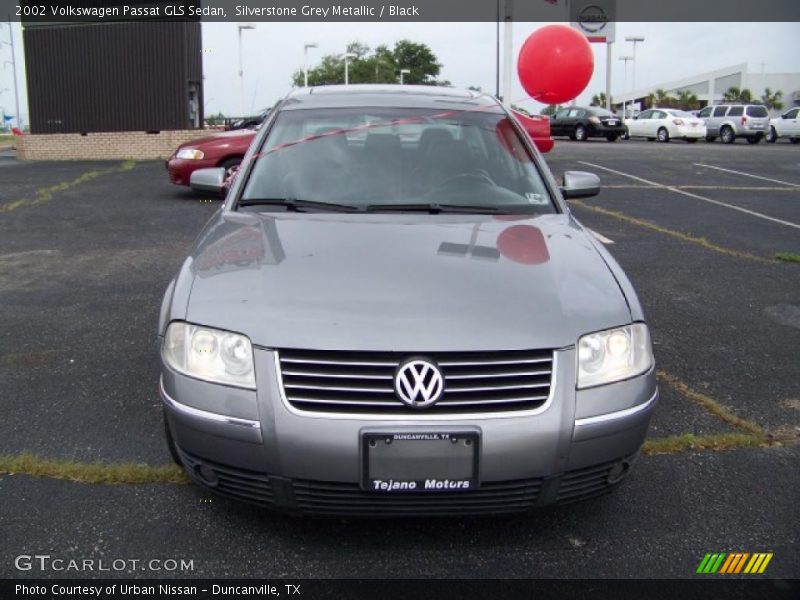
pixel 407 322
pixel 787 125
pixel 224 150
pixel 582 123
pixel 251 122
pixel 731 121
pixel 538 128
pixel 665 124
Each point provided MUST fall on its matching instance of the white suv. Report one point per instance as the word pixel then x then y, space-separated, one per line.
pixel 729 121
pixel 787 125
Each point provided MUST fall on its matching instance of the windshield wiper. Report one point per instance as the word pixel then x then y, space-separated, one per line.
pixel 298 205
pixel 433 208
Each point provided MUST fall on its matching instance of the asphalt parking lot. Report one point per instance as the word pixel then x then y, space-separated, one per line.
pixel 86 250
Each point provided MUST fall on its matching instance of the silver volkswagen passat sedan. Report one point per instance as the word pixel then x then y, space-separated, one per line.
pixel 395 313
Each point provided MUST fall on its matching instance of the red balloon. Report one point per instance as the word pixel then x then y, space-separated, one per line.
pixel 523 244
pixel 555 64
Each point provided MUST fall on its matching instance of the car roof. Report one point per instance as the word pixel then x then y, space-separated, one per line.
pixel 406 96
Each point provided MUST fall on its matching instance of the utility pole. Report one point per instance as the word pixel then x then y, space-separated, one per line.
pixel 508 50
pixel 609 58
pixel 241 68
pixel 14 70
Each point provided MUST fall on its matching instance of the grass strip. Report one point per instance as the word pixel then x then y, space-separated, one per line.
pixel 675 444
pixel 97 472
pixel 686 237
pixel 45 194
pixel 787 257
pixel 710 405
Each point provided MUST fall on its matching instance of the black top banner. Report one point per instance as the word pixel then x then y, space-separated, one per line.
pixel 47 12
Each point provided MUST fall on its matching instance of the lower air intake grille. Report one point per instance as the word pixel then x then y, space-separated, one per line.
pixel 324 498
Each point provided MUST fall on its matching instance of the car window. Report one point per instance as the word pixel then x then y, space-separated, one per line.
pixel 659 114
pixel 736 111
pixel 602 112
pixel 705 112
pixel 792 114
pixel 373 156
pixel 574 113
pixel 561 113
pixel 720 111
pixel 645 115
pixel 758 112
pixel 680 113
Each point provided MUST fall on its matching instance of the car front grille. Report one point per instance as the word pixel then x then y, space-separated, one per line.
pixel 363 382
pixel 326 498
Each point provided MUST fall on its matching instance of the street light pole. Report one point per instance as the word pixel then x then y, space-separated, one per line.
pixel 241 69
pixel 625 81
pixel 347 55
pixel 403 72
pixel 306 46
pixel 635 40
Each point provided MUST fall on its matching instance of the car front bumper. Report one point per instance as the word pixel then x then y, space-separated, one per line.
pixel 180 169
pixel 253 446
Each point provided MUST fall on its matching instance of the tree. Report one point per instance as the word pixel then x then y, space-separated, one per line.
pixel 687 100
pixel 771 100
pixel 550 109
pixel 598 99
pixel 734 94
pixel 381 65
pixel 217 119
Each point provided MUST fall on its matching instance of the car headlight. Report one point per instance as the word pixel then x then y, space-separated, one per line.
pixel 190 154
pixel 613 355
pixel 210 354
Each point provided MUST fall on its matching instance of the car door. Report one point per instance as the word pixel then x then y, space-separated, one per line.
pixel 714 121
pixel 790 123
pixel 557 124
pixel 657 121
pixel 637 126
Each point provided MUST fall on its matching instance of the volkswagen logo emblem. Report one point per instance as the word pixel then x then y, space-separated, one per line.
pixel 418 382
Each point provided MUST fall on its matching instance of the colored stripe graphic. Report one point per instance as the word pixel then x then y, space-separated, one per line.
pixel 733 563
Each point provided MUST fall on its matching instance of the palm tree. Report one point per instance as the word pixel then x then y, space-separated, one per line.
pixel 550 109
pixel 662 99
pixel 734 94
pixel 687 100
pixel 771 100
pixel 598 99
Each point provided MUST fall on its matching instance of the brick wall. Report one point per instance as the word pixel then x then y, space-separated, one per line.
pixel 121 145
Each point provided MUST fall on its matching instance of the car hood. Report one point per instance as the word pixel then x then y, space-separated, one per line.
pixel 402 282
pixel 219 138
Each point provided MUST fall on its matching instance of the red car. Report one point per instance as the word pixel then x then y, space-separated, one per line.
pixel 221 150
pixel 538 128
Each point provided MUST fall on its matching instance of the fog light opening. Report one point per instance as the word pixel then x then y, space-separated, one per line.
pixel 206 475
pixel 618 471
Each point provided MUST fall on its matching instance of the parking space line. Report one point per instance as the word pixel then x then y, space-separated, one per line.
pixel 671 232
pixel 601 238
pixel 696 196
pixel 743 174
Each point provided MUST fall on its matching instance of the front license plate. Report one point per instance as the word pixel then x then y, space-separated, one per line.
pixel 612 122
pixel 400 462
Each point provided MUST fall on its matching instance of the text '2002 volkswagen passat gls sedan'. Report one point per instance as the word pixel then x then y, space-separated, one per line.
pixel 395 313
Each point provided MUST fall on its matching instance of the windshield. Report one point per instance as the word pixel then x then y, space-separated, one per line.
pixel 368 158
pixel 602 112
pixel 680 113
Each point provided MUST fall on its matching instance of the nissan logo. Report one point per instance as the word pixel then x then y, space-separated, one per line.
pixel 418 382
pixel 592 18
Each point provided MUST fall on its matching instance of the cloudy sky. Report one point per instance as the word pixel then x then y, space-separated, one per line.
pixel 466 50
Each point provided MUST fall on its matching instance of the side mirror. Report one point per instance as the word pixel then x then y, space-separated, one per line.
pixel 208 180
pixel 578 184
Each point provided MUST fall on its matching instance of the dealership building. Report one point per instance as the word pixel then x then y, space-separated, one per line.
pixel 710 86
